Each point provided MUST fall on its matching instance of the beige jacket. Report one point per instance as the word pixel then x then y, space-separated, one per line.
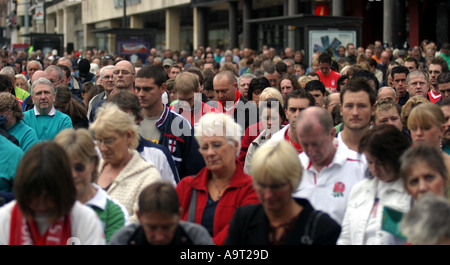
pixel 126 188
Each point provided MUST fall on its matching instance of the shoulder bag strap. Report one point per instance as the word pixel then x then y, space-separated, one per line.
pixel 308 237
pixel 192 205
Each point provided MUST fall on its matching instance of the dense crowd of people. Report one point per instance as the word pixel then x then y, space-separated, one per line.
pixel 226 147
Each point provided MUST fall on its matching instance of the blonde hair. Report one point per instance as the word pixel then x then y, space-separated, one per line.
pixel 24 78
pixel 186 83
pixel 80 144
pixel 219 124
pixel 110 117
pixel 271 92
pixel 277 163
pixel 304 80
pixel 426 115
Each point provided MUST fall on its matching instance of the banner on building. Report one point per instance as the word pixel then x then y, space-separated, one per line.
pixel 329 40
pixel 39 13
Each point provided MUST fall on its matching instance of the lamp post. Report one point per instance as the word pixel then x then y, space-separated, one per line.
pixel 124 18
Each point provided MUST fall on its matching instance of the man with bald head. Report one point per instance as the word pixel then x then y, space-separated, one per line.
pixel 331 101
pixel 124 74
pixel 387 92
pixel 232 102
pixel 384 62
pixel 329 172
pixel 289 53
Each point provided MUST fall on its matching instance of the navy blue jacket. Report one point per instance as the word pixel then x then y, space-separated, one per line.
pixel 181 143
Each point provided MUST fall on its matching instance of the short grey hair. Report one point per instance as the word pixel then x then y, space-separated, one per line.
pixel 36 62
pixel 42 81
pixel 104 68
pixel 219 124
pixel 416 73
pixel 245 76
pixel 422 226
pixel 379 90
pixel 9 72
pixel 56 68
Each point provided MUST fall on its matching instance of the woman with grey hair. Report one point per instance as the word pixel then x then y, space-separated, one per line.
pixel 22 82
pixel 422 226
pixel 211 197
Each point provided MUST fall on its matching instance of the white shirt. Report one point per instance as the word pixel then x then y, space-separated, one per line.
pixel 362 223
pixel 85 225
pixel 328 190
pixel 278 136
pixel 51 113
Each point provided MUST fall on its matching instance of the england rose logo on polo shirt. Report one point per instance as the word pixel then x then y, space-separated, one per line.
pixel 338 190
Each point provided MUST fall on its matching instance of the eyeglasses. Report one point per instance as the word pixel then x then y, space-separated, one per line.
pixel 273 187
pixel 124 72
pixel 214 146
pixel 106 142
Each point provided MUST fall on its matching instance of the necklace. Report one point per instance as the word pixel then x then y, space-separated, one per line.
pixel 219 190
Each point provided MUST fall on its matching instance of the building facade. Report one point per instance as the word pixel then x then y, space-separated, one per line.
pixel 187 24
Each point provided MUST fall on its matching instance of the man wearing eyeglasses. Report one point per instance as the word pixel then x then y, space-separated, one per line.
pixel 124 75
pixel 120 77
pixel 437 66
pixel 417 84
pixel 106 80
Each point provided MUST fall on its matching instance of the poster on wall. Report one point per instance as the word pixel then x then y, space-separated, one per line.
pixel 134 49
pixel 329 40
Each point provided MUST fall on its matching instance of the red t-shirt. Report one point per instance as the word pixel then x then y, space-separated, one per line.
pixel 330 80
pixel 434 97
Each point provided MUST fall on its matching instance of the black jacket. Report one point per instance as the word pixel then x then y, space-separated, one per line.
pixel 250 226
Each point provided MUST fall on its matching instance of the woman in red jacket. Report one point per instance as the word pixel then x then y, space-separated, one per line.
pixel 211 197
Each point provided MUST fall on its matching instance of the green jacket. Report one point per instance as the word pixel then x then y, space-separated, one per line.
pixel 20 93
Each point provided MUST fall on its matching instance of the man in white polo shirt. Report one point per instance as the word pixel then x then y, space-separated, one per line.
pixel 330 171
